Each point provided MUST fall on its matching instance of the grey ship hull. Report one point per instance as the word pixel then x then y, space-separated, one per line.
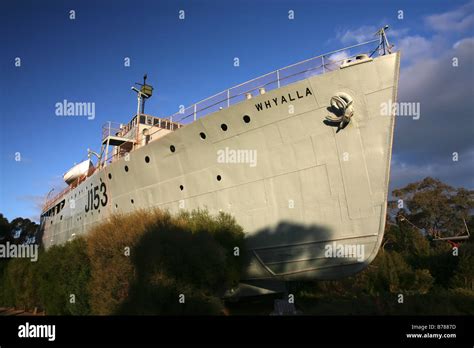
pixel 312 185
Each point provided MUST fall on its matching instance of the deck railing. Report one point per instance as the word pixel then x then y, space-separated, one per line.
pixel 272 80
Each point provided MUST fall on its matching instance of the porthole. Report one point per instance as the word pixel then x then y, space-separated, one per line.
pixel 181 187
pixel 246 118
pixel 132 201
pixel 110 176
pixel 224 127
pixel 116 206
pixel 202 135
pixel 172 148
pixel 219 178
pixel 147 159
pixel 126 168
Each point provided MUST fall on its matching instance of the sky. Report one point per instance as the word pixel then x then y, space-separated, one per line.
pixel 83 59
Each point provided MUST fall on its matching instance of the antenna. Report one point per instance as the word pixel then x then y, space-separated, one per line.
pixel 145 92
pixel 384 45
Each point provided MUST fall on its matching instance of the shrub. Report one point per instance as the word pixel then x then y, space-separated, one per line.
pixel 63 274
pixel 141 262
pixel 20 287
pixel 109 245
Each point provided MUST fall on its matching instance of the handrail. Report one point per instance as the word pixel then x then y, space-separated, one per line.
pixel 279 70
pixel 229 99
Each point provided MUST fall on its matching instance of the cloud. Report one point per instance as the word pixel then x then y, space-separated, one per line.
pixel 467 41
pixel 455 173
pixel 367 33
pixel 359 35
pixel 414 47
pixel 425 147
pixel 460 19
pixel 35 203
pixel 334 61
pixel 444 93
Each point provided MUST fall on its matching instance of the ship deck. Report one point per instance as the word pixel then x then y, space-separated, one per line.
pixel 304 69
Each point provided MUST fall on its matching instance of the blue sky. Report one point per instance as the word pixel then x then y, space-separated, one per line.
pixel 188 60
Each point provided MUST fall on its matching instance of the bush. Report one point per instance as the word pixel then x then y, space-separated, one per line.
pixel 63 274
pixel 109 246
pixel 142 262
pixel 138 263
pixel 20 284
pixel 190 255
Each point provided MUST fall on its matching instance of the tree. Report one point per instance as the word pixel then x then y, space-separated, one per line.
pixel 4 229
pixel 22 229
pixel 436 207
pixel 464 274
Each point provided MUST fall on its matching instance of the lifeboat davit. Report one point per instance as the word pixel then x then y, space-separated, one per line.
pixel 77 171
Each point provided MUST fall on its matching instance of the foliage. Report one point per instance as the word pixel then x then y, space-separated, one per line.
pixel 136 263
pixel 141 263
pixel 429 274
pixel 63 273
pixel 18 231
pixel 435 206
pixel 189 254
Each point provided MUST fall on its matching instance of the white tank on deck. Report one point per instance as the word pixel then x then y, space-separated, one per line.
pixel 77 171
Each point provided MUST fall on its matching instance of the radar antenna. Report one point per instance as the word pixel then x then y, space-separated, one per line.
pixel 145 92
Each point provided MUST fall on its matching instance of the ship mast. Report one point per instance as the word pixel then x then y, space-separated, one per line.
pixel 143 94
pixel 384 45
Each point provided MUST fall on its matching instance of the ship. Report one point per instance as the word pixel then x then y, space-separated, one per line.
pixel 300 157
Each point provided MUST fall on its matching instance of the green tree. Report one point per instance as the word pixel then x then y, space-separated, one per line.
pixel 436 207
pixel 22 229
pixel 464 273
pixel 4 229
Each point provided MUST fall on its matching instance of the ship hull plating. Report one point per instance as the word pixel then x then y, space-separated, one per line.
pixel 311 192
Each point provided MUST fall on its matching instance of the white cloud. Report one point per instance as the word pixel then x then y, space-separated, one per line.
pixel 465 41
pixel 454 173
pixel 446 124
pixel 367 33
pixel 459 19
pixel 424 147
pixel 414 47
pixel 359 35
pixel 333 61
